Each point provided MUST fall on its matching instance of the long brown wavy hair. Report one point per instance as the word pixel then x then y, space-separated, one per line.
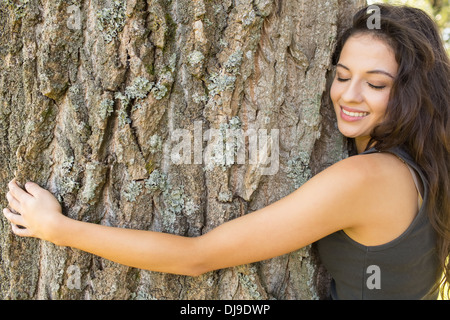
pixel 417 116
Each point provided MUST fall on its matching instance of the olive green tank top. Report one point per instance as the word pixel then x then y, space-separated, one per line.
pixel 404 268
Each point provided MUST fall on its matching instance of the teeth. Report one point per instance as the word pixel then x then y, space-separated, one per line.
pixel 355 114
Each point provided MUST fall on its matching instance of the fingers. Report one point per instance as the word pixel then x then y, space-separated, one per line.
pixel 22 232
pixel 13 203
pixel 14 218
pixel 33 188
pixel 16 197
pixel 17 192
pixel 17 223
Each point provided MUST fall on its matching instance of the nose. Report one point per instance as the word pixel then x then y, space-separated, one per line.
pixel 352 92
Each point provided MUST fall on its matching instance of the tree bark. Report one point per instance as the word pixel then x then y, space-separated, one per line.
pixel 117 107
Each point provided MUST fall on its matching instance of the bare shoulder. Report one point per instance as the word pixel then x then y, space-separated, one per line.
pixel 384 194
pixel 375 168
pixel 357 187
pixel 363 172
pixel 372 183
pixel 380 173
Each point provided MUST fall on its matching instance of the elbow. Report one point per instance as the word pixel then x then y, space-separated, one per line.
pixel 185 257
pixel 196 272
pixel 199 262
pixel 199 270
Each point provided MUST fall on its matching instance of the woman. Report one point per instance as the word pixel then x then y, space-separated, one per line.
pixel 380 218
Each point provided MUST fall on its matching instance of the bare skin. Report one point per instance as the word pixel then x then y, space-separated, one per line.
pixel 371 197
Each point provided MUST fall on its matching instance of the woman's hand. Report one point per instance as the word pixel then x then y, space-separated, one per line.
pixel 33 212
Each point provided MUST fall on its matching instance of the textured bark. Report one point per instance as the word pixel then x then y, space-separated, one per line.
pixel 91 94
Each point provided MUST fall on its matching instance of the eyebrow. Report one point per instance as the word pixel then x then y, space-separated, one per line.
pixel 371 71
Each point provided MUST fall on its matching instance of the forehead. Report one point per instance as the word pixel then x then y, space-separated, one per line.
pixel 364 52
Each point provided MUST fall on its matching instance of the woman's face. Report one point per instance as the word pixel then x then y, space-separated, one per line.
pixel 360 91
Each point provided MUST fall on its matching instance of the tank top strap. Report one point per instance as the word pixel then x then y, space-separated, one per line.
pixel 414 175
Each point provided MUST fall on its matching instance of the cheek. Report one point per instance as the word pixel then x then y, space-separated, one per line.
pixel 334 92
pixel 379 104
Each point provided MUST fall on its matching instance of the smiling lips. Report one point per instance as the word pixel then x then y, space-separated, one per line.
pixel 349 114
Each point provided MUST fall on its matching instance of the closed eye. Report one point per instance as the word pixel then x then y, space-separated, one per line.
pixel 376 87
pixel 340 79
pixel 370 85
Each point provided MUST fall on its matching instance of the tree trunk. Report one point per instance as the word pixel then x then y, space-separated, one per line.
pixel 172 116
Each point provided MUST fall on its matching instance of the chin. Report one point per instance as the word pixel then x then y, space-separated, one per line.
pixel 348 133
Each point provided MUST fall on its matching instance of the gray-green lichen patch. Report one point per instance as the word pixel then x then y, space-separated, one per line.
pixel 298 169
pixel 123 117
pixel 67 184
pixel 310 270
pixel 19 7
pixel 225 196
pixel 156 144
pixel 218 83
pixel 159 91
pixel 166 79
pixel 139 88
pixel 157 181
pixel 311 115
pixel 224 80
pixel 112 20
pixel 234 62
pixel 132 191
pixel 190 208
pixel 224 145
pixel 106 108
pixel 124 101
pixel 249 282
pixel 249 18
pixel 175 200
pixel 199 98
pixel 195 62
pixel 195 58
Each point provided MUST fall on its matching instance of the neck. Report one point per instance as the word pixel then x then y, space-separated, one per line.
pixel 361 143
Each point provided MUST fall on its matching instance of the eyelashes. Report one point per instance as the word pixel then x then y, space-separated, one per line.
pixel 370 85
pixel 341 79
pixel 376 87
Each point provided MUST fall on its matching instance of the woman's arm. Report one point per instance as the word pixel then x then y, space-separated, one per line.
pixel 330 201
pixel 41 217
